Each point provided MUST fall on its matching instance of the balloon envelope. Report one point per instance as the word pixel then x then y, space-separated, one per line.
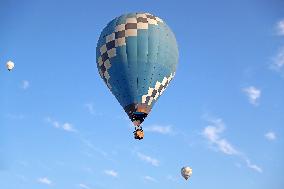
pixel 10 65
pixel 186 172
pixel 137 55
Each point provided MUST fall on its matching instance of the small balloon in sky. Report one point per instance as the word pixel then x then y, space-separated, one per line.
pixel 186 172
pixel 10 65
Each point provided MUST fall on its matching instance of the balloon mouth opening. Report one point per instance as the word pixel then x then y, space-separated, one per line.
pixel 138 117
pixel 137 112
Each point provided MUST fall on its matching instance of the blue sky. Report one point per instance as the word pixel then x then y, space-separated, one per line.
pixel 60 127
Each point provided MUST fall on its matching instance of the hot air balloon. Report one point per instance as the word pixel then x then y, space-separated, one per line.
pixel 10 65
pixel 137 55
pixel 186 172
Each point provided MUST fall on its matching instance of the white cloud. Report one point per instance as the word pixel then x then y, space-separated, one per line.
pixel 278 60
pixel 44 180
pixel 253 166
pixel 253 94
pixel 25 84
pixel 148 159
pixel 270 135
pixel 65 126
pixel 111 173
pixel 148 178
pixel 90 108
pixel 159 129
pixel 280 27
pixel 68 127
pixel 226 147
pixel 56 124
pixel 83 186
pixel 213 133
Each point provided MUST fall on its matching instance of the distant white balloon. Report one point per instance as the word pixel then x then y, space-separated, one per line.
pixel 186 172
pixel 10 65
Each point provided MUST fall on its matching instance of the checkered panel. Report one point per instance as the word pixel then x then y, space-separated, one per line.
pixel 153 19
pixel 118 38
pixel 154 93
pixel 107 51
